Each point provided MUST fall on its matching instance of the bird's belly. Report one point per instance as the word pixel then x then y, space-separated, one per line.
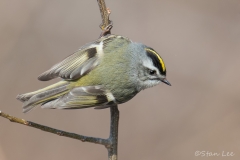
pixel 124 95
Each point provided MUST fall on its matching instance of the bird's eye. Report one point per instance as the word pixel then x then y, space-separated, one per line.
pixel 152 72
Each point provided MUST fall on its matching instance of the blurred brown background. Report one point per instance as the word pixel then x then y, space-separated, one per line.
pixel 199 41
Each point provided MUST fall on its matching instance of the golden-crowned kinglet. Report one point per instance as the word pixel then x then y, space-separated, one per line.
pixel 106 72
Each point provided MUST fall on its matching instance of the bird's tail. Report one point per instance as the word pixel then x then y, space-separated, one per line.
pixel 42 96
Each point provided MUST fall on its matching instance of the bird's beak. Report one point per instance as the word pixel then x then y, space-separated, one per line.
pixel 166 81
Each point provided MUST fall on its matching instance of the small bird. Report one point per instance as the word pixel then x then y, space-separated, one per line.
pixel 103 73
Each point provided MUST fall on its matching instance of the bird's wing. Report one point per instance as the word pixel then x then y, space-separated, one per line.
pixel 79 63
pixel 83 97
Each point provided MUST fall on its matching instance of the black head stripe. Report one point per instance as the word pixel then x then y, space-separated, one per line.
pixel 157 60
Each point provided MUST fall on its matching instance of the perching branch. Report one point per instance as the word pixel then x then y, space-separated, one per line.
pixel 106 24
pixel 104 14
pixel 113 137
pixel 112 142
pixel 82 138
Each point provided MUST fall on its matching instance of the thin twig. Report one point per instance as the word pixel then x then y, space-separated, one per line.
pixel 106 24
pixel 82 138
pixel 113 137
pixel 104 14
